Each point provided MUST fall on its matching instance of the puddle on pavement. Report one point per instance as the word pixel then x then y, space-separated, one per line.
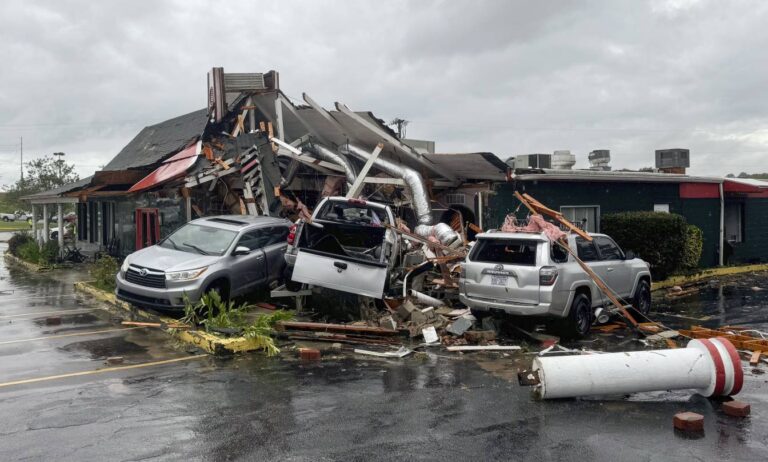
pixel 106 347
pixel 76 319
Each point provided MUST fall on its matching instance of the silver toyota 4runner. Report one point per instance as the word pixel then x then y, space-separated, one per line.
pixel 524 274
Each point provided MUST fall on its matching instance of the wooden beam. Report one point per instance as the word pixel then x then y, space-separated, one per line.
pixel 397 144
pixel 279 117
pixel 357 187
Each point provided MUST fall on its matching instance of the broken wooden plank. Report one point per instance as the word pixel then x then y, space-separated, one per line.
pixel 316 326
pixel 755 359
pixel 483 348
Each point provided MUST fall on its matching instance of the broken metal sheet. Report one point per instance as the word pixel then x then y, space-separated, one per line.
pixel 399 353
pixel 172 168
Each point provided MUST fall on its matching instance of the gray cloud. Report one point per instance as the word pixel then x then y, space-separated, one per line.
pixel 509 77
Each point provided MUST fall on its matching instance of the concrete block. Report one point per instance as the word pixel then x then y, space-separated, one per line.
pixel 387 322
pixel 309 354
pixel 460 325
pixel 405 310
pixel 689 422
pixel 736 408
pixel 115 360
pixel 418 318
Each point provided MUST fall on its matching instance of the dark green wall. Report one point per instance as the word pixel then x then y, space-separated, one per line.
pixel 754 248
pixel 613 197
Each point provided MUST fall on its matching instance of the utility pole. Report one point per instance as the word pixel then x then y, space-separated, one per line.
pixel 21 160
pixel 60 164
pixel 400 124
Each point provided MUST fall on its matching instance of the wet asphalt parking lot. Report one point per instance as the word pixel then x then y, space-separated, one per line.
pixel 59 400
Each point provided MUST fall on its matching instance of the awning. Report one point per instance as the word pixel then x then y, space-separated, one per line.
pixel 173 167
pixel 746 186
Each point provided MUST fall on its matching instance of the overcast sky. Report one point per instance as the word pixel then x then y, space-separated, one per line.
pixel 83 77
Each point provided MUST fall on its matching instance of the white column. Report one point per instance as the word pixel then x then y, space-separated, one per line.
pixel 61 227
pixel 45 222
pixel 34 222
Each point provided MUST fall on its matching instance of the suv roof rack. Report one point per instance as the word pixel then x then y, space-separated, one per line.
pixel 228 221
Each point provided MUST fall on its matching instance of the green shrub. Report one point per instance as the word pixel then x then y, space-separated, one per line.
pixel 103 273
pixel 30 252
pixel 217 314
pixel 693 246
pixel 49 253
pixel 17 240
pixel 665 240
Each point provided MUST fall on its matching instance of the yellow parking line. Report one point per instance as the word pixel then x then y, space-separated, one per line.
pixel 76 334
pixel 40 313
pixel 36 297
pixel 99 371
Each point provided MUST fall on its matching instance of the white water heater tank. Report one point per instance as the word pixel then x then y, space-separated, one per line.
pixel 563 160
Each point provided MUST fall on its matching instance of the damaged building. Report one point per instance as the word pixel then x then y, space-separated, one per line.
pixel 254 151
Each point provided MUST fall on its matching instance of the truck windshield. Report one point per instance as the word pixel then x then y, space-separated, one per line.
pixel 351 212
pixel 509 251
pixel 203 240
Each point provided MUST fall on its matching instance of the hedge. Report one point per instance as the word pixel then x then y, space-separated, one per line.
pixel 665 240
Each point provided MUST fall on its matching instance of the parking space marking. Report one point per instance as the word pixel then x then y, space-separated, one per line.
pixel 100 371
pixel 35 297
pixel 41 313
pixel 76 334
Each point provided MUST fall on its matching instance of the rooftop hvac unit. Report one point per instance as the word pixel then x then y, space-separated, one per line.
pixel 673 158
pixel 599 159
pixel 237 82
pixel 563 160
pixel 533 161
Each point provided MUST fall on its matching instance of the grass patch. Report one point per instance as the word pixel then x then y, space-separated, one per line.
pixel 14 226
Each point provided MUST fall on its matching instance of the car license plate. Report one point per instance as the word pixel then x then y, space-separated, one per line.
pixel 499 280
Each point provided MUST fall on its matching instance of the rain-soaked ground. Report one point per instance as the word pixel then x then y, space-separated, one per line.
pixel 177 405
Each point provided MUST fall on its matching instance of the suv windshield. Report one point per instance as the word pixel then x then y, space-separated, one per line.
pixel 352 212
pixel 204 240
pixel 510 251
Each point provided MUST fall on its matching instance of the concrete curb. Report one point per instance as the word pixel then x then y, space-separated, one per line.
pixel 29 266
pixel 210 343
pixel 706 274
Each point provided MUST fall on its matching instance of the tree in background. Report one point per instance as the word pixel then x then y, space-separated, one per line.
pixel 42 174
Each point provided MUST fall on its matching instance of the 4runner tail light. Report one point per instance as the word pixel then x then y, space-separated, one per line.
pixel 547 275
pixel 291 234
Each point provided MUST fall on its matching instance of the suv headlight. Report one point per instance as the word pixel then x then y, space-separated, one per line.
pixel 124 266
pixel 185 275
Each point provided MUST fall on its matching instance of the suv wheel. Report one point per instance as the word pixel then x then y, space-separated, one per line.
pixel 579 319
pixel 6 219
pixel 219 287
pixel 642 301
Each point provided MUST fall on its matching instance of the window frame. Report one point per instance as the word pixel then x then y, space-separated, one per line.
pixel 594 246
pixel 594 206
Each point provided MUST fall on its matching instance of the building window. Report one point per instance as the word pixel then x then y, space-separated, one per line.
pixel 587 217
pixel 661 208
pixel 734 229
pixel 458 199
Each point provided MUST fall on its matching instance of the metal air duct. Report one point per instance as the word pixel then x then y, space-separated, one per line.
pixel 414 184
pixel 328 155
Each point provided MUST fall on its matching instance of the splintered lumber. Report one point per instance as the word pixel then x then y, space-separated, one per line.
pixel 600 284
pixel 755 359
pixel 741 341
pixel 341 328
pixel 155 324
pixel 340 338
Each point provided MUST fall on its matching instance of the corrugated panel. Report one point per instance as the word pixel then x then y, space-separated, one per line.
pixel 244 82
pixel 172 168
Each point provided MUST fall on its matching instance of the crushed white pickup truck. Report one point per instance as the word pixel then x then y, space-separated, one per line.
pixel 346 246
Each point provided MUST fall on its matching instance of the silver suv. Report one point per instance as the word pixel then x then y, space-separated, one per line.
pixel 231 254
pixel 524 274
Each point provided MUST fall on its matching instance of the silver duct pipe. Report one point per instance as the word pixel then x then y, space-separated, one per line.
pixel 414 184
pixel 326 154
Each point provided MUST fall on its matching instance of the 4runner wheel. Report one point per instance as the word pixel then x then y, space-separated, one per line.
pixel 579 319
pixel 642 301
pixel 6 219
